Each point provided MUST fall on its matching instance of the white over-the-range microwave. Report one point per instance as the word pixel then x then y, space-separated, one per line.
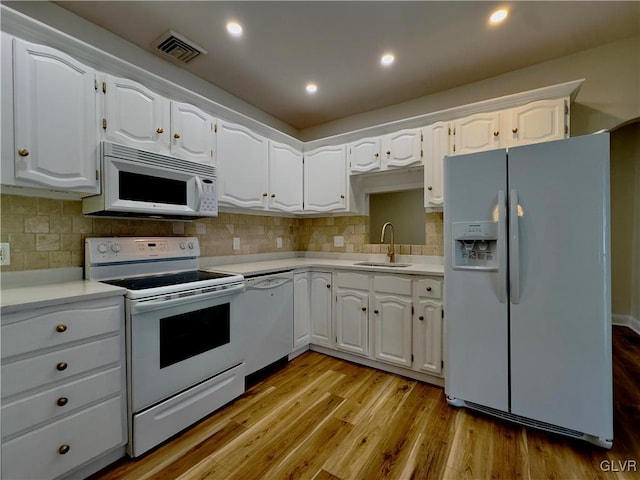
pixel 138 183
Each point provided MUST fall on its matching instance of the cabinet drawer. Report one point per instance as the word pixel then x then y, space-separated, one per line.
pixel 429 287
pixel 48 327
pixel 31 411
pixel 353 280
pixel 392 284
pixel 87 434
pixel 36 371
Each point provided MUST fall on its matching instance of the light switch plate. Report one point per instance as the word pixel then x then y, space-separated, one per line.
pixel 279 242
pixel 338 241
pixel 236 243
pixel 5 254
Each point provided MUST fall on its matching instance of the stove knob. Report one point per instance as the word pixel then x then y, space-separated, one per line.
pixel 115 247
pixel 102 248
pixel 183 245
pixel 190 245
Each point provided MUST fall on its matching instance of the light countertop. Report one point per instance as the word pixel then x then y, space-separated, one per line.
pixel 14 299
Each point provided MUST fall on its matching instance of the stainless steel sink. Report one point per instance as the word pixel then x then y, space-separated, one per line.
pixel 381 264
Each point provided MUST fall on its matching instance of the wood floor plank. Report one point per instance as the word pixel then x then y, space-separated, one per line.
pixel 320 417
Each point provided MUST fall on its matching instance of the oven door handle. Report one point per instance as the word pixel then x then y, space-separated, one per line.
pixel 141 306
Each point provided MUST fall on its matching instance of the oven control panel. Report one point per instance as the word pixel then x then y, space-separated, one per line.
pixel 121 249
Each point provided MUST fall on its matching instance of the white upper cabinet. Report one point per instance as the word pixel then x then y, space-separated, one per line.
pixel 325 179
pixel 242 158
pixel 285 178
pixel 536 122
pixel 192 133
pixel 55 135
pixel 135 116
pixel 364 155
pixel 402 149
pixel 436 146
pixel 476 133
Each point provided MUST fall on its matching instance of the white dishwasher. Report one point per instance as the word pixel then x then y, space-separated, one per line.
pixel 265 313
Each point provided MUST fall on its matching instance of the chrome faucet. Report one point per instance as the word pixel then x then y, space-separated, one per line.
pixel 391 253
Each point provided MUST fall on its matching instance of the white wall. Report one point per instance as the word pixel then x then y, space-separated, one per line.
pixel 609 96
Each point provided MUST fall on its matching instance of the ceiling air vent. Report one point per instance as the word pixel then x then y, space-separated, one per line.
pixel 177 47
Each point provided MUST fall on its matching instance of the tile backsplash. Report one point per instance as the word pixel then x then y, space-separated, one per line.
pixel 47 233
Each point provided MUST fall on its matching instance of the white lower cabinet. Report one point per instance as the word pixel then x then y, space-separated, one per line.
pixel 427 326
pixel 321 309
pixel 352 312
pixel 301 309
pixel 63 387
pixel 392 319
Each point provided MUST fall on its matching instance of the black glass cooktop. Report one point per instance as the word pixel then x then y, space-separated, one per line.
pixel 154 281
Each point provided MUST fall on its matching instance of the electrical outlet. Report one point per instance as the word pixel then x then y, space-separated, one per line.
pixel 236 243
pixel 5 254
pixel 279 242
pixel 338 241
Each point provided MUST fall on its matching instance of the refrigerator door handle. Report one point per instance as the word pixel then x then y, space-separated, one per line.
pixel 502 247
pixel 514 248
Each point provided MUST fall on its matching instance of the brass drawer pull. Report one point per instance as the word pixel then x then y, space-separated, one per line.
pixel 429 289
pixel 23 152
pixel 61 328
pixel 62 401
pixel 61 366
pixel 64 449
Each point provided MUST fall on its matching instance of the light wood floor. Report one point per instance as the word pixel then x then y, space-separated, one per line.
pixel 323 418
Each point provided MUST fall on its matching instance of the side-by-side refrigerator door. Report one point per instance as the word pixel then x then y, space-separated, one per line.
pixel 476 309
pixel 560 276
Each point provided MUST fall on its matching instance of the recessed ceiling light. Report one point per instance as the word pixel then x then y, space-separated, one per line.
pixel 387 59
pixel 234 28
pixel 498 16
pixel 311 88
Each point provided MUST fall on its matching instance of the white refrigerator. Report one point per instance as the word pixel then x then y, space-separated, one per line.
pixel 527 275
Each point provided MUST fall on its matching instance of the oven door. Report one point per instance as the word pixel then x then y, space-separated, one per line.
pixel 173 348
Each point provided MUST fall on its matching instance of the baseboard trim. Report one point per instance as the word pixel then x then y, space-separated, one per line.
pixel 626 321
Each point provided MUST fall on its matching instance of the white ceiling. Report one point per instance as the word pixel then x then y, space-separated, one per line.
pixel 438 45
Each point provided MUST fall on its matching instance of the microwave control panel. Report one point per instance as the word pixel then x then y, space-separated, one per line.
pixel 208 203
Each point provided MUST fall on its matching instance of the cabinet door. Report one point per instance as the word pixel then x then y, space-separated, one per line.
pixel 56 141
pixel 403 148
pixel 352 321
pixel 536 122
pixel 242 158
pixel 135 116
pixel 428 337
pixel 301 309
pixel 192 133
pixel 476 133
pixel 321 311
pixel 364 155
pixel 392 329
pixel 325 179
pixel 436 146
pixel 285 178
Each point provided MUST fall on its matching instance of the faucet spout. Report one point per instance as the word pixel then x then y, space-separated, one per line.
pixel 391 252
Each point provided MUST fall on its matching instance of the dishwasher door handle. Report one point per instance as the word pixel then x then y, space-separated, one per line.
pixel 267 283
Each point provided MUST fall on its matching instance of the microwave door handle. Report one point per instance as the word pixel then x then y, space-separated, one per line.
pixel 198 194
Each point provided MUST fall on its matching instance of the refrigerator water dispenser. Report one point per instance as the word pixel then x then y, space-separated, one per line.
pixel 475 245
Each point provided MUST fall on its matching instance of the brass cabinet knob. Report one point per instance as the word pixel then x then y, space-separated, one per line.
pixel 429 188
pixel 328 285
pixel 388 152
pixel 160 130
pixel 341 196
pixel 376 312
pixel 496 133
pixel 61 328
pixel 273 195
pixel 61 366
pixel 376 154
pixel 265 194
pixel 364 309
pixel 64 449
pixel 175 135
pixel 421 318
pixel 62 401
pixel 428 289
pixel 514 129
pixel 23 152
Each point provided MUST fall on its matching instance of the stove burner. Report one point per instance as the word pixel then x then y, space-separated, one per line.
pixel 163 280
